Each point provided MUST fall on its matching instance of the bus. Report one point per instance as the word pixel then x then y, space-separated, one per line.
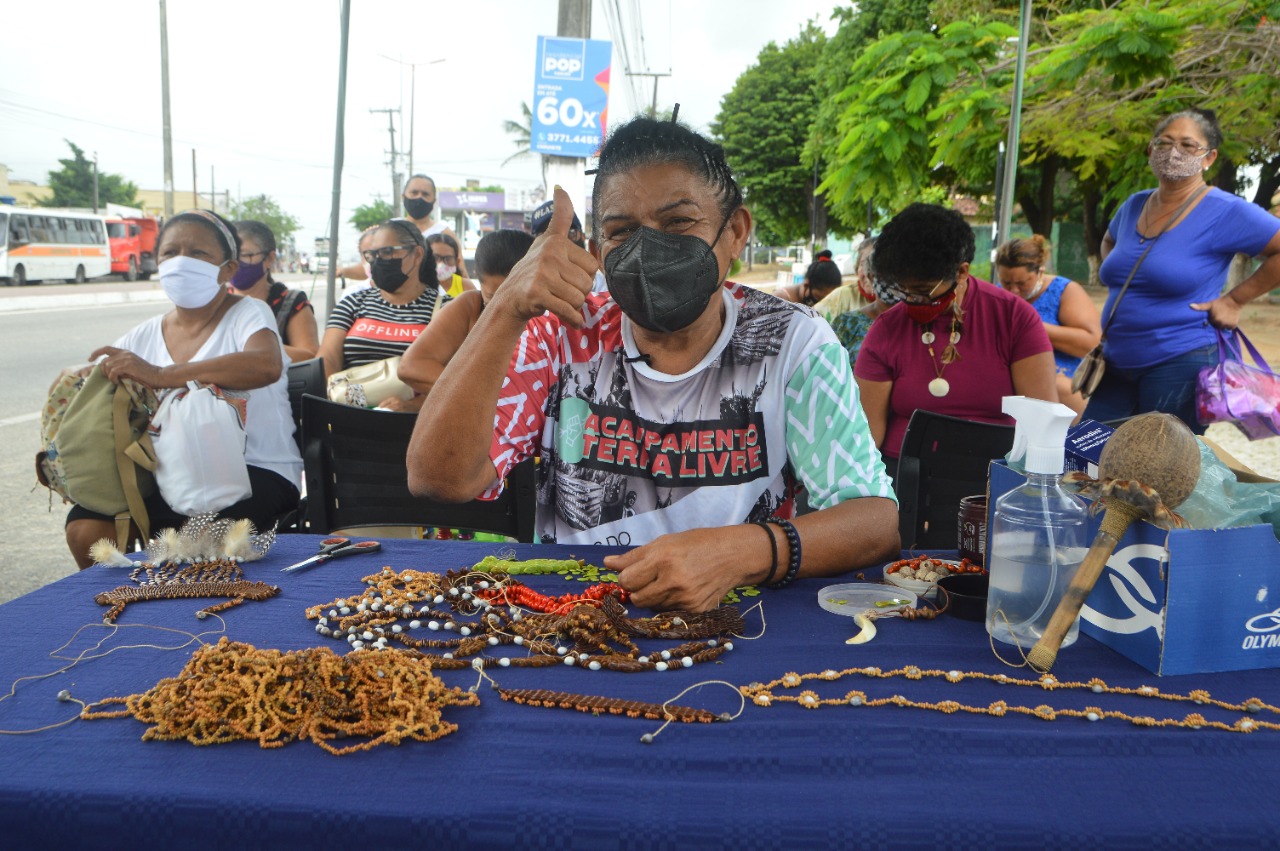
pixel 41 244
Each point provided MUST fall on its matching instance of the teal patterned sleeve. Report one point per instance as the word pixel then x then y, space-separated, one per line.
pixel 828 439
pixel 851 329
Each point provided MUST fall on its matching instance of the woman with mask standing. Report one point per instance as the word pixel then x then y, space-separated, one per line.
pixel 1159 335
pixel 214 338
pixel 295 317
pixel 677 412
pixel 380 322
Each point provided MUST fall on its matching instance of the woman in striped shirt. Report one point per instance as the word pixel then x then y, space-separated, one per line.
pixel 380 322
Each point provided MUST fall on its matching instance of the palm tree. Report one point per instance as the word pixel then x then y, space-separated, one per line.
pixel 522 131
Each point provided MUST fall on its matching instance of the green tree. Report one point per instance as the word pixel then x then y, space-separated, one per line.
pixel 763 124
pixel 72 184
pixel 368 215
pixel 918 109
pixel 263 208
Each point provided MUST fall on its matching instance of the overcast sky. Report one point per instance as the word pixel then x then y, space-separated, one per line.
pixel 253 86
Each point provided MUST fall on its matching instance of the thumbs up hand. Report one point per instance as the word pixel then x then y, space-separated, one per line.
pixel 556 275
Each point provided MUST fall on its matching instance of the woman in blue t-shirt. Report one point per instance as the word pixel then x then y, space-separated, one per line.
pixel 1162 334
pixel 1069 316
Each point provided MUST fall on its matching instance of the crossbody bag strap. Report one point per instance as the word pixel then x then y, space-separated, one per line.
pixel 1116 304
pixel 123 433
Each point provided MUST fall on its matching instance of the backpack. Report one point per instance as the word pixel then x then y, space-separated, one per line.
pixel 95 451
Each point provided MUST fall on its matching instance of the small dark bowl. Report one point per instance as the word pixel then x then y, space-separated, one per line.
pixel 968 595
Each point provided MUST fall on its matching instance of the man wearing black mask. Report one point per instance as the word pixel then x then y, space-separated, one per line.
pixel 677 412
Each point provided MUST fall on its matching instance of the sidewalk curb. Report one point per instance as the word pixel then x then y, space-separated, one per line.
pixel 103 299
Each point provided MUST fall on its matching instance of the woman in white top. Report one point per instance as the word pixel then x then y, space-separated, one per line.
pixel 215 338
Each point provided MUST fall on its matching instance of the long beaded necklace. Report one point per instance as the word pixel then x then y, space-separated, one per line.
pixel 939 386
pixel 591 630
pixel 762 694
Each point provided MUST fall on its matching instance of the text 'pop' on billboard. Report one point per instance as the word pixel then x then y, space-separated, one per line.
pixel 570 96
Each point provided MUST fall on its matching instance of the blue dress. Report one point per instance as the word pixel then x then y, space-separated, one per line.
pixel 1048 305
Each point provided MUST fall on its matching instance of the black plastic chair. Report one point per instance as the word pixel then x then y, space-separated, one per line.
pixel 356 476
pixel 943 460
pixel 305 378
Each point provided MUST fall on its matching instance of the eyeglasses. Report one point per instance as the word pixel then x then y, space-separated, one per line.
pixel 390 252
pixel 248 257
pixel 1187 146
pixel 916 298
pixel 447 259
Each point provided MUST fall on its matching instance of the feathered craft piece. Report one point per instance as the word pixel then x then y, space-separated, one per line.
pixel 208 537
pixel 1132 491
pixel 104 552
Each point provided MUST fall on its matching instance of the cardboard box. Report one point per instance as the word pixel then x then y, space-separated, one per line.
pixel 1181 602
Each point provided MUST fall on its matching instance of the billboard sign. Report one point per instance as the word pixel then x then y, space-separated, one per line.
pixel 570 96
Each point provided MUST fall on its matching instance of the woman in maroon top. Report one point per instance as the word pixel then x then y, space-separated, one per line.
pixel 953 344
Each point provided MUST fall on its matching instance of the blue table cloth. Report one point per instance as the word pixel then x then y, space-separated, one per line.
pixel 781 776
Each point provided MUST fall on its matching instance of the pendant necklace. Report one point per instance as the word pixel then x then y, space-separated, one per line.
pixel 939 386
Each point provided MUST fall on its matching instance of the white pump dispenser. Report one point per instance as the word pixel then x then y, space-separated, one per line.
pixel 1038 534
pixel 1039 433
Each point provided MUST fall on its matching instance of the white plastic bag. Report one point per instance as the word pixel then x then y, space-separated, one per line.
pixel 199 439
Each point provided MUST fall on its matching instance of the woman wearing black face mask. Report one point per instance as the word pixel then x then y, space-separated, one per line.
pixel 419 203
pixel 381 321
pixel 676 411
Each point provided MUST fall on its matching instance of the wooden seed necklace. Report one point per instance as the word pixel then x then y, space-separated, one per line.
pixel 939 386
pixel 762 694
pixel 219 578
pixel 590 630
pixel 232 691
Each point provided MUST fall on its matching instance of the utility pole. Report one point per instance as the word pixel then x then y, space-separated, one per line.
pixel 195 196
pixel 334 214
pixel 573 21
pixel 164 97
pixel 1005 214
pixel 653 107
pixel 395 175
pixel 95 181
pixel 213 193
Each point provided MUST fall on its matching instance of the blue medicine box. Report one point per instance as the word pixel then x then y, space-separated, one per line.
pixel 1182 602
pixel 1084 447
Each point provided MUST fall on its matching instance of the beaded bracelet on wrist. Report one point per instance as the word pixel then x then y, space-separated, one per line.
pixel 773 546
pixel 793 563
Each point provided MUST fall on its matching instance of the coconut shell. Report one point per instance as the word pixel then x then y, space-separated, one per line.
pixel 1157 450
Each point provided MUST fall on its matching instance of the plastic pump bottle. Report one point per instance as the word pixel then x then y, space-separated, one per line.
pixel 1039 533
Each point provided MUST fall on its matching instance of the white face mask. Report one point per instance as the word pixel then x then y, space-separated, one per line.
pixel 189 282
pixel 444 271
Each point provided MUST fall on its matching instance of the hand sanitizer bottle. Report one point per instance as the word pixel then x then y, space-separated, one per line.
pixel 1039 532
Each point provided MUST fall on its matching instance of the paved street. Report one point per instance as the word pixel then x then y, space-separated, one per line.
pixel 37 344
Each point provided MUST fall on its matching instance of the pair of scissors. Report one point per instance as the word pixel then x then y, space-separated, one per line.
pixel 333 548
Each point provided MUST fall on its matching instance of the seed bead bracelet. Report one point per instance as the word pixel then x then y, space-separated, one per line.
pixel 793 563
pixel 773 547
pixel 598 705
pixel 762 695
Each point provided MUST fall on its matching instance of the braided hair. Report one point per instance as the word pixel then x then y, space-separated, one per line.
pixel 646 141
